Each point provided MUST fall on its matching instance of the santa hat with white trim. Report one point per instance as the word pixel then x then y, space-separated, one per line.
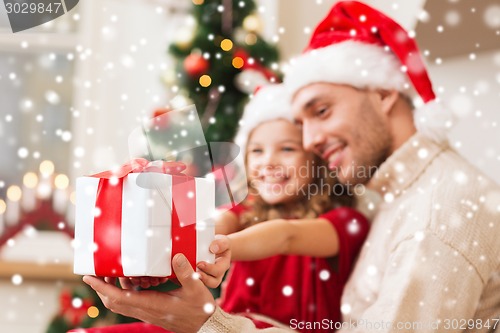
pixel 357 45
pixel 269 102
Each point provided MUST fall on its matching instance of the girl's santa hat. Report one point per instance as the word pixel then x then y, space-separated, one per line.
pixel 269 102
pixel 359 46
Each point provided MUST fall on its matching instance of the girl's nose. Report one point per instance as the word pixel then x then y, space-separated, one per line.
pixel 269 160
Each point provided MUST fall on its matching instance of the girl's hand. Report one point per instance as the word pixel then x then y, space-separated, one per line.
pixel 211 274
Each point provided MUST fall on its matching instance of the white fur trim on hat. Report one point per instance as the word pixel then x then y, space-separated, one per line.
pixel 434 120
pixel 271 102
pixel 354 63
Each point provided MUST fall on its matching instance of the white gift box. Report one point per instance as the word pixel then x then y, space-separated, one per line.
pixel 146 224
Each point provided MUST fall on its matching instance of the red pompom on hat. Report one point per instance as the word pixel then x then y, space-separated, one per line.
pixel 357 45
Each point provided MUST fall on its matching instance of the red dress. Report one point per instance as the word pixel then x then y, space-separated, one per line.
pixel 292 289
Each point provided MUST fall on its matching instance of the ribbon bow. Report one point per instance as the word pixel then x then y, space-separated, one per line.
pixel 139 165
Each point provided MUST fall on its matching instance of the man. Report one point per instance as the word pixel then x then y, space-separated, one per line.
pixel 431 262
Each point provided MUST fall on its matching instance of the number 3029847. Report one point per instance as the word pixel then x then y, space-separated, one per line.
pixel 33 7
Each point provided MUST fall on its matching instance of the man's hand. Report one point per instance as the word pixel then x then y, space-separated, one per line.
pixel 183 310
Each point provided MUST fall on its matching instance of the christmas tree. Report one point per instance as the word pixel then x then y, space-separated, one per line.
pixel 221 59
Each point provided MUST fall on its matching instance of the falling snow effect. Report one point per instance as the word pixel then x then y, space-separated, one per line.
pixel 37 122
pixel 287 290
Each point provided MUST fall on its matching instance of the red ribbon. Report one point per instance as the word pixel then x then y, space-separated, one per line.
pixel 107 228
pixel 184 218
pixel 107 222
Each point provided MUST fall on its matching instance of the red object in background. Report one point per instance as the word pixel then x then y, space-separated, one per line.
pixel 74 315
pixel 195 65
pixel 255 65
pixel 43 214
pixel 160 122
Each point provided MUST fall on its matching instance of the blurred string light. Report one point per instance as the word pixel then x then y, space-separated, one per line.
pixel 46 168
pixel 61 182
pixel 251 39
pixel 238 62
pixel 205 81
pixel 226 44
pixel 93 312
pixel 14 193
pixel 30 180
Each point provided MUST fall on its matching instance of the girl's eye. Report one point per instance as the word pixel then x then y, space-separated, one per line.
pixel 288 149
pixel 256 151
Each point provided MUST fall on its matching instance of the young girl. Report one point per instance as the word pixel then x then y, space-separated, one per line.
pixel 293 267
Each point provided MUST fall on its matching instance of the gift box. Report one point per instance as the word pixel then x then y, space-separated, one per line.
pixel 131 222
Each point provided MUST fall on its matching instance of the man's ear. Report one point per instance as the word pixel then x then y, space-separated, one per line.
pixel 388 98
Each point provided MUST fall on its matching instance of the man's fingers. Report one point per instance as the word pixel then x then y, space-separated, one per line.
pixel 117 300
pixel 180 310
pixel 110 280
pixel 99 285
pixel 135 281
pixel 155 282
pixel 108 291
pixel 149 281
pixel 125 283
pixel 145 285
pixel 185 273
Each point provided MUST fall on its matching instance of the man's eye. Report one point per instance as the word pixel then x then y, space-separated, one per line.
pixel 321 112
pixel 288 149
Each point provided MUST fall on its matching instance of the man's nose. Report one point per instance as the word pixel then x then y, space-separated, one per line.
pixel 312 138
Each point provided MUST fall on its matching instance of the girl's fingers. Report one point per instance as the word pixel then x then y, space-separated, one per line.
pixel 209 281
